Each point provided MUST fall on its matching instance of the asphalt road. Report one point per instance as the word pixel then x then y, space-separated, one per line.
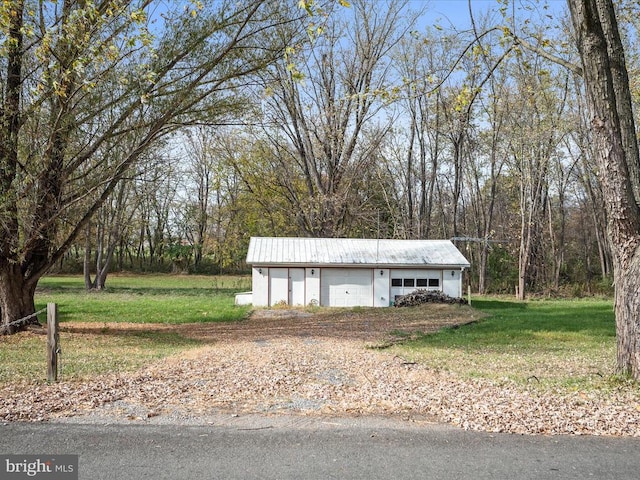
pixel 298 448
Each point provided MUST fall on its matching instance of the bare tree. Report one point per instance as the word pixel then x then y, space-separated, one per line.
pixel 155 191
pixel 485 169
pixel 211 187
pixel 108 228
pixel 321 101
pixel 535 139
pixel 203 180
pixel 421 141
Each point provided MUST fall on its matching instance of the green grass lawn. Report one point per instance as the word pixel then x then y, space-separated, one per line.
pixel 560 343
pixel 146 299
pixel 139 299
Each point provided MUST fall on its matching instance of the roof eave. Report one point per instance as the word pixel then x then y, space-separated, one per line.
pixel 447 266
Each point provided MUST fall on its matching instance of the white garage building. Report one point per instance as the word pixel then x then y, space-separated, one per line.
pixel 346 272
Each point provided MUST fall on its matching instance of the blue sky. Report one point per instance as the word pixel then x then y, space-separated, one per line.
pixel 456 12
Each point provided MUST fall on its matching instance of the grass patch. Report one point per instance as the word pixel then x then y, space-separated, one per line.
pixel 554 343
pixel 152 302
pixel 155 284
pixel 146 299
pixel 86 355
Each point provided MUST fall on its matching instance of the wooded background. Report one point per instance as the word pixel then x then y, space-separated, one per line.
pixel 371 120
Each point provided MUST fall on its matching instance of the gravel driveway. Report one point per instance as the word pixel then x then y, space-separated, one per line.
pixel 295 363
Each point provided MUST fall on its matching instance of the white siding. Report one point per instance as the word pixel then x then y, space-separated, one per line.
pixel 452 283
pixel 260 286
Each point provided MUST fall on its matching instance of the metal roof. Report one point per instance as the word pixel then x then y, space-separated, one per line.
pixel 354 252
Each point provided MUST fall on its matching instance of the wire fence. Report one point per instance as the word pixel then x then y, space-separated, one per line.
pixel 53 338
pixel 23 319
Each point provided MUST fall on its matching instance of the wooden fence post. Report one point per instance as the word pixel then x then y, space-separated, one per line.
pixel 53 340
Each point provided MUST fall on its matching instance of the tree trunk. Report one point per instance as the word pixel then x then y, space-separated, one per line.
pixel 410 228
pixel 523 261
pixel 609 99
pixel 88 284
pixel 16 299
pixel 102 271
pixel 14 303
pixel 482 268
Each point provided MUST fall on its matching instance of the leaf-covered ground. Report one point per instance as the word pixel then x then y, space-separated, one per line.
pixel 319 364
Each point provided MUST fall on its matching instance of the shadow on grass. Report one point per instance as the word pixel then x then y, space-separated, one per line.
pixel 141 291
pixel 183 292
pixel 489 305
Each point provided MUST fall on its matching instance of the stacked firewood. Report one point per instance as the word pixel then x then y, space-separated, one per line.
pixel 421 296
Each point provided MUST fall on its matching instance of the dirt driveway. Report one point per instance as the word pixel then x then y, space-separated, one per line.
pixel 367 324
pixel 285 362
pixel 374 325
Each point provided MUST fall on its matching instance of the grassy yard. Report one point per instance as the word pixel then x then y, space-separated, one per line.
pixel 143 300
pixel 551 343
pixel 548 343
pixel 146 299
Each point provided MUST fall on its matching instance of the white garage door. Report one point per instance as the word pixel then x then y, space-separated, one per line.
pixel 343 287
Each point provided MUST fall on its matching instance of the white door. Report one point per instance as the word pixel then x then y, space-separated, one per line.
pixel 344 287
pixel 278 286
pixel 296 286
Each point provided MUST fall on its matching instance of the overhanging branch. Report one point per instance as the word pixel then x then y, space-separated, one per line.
pixel 545 54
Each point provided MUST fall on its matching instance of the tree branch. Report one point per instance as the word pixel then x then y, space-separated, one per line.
pixel 545 54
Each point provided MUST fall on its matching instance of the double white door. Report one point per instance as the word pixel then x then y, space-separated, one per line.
pixel 286 285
